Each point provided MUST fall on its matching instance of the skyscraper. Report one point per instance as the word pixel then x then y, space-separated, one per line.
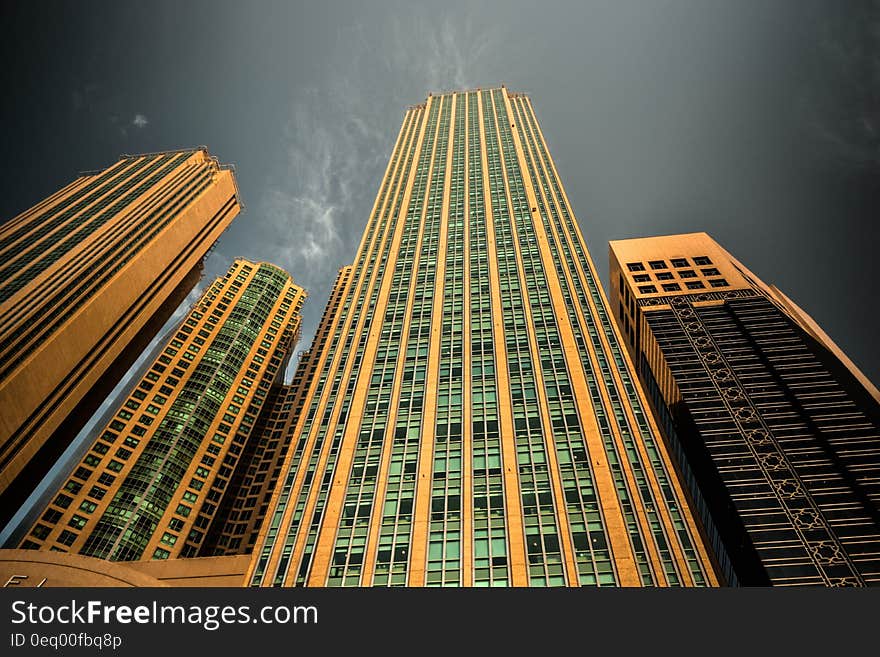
pixel 474 419
pixel 775 429
pixel 150 485
pixel 88 277
pixel 244 507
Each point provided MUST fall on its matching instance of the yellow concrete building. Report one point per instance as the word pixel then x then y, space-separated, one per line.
pixel 474 418
pixel 87 278
pixel 154 477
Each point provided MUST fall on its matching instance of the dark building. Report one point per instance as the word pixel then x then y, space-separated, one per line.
pixel 776 431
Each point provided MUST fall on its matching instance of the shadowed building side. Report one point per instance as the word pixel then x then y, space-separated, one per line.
pixel 775 430
pixel 88 277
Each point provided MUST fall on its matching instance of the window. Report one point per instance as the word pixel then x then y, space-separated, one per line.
pixel 658 264
pixel 77 522
pixel 647 289
pixel 718 282
pixel 63 500
pixel 52 516
pixel 97 492
pixel 679 262
pixel 710 271
pixel 40 531
pixel 635 266
pixel 687 273
pixel 642 278
pixel 695 285
pixel 702 260
pixel 66 537
pixel 671 287
pixel 664 276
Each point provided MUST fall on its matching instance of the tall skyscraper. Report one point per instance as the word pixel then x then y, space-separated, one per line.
pixel 244 507
pixel 474 419
pixel 88 277
pixel 775 429
pixel 150 485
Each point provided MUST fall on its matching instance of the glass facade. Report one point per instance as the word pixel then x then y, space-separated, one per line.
pixel 154 478
pixel 473 418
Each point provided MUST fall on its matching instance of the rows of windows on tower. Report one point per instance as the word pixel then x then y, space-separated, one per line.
pixel 474 409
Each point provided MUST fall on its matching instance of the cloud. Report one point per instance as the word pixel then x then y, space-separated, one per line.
pixel 139 121
pixel 443 54
pixel 338 139
pixel 315 212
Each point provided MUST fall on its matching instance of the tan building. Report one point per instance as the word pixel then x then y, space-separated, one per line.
pixel 244 507
pixel 39 569
pixel 474 418
pixel 88 276
pixel 775 430
pixel 150 485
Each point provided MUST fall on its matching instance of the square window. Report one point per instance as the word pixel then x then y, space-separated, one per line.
pixel 718 282
pixel 658 264
pixel 66 538
pixel 679 262
pixel 671 287
pixel 40 531
pixel 635 266
pixel 664 276
pixel 702 260
pixel 63 500
pixel 687 273
pixel 647 289
pixel 52 516
pixel 695 285
pixel 642 278
pixel 97 492
pixel 710 271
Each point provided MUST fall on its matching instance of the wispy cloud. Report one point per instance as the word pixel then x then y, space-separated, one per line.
pixel 444 54
pixel 316 211
pixel 339 137
pixel 844 112
pixel 139 121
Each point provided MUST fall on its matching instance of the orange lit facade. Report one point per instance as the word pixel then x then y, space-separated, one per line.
pixel 244 507
pixel 88 276
pixel 152 481
pixel 474 418
pixel 775 430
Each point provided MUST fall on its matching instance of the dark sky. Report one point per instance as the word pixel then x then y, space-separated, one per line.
pixel 758 122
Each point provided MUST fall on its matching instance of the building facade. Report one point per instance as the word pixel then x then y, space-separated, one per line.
pixel 244 507
pixel 88 277
pixel 474 418
pixel 151 484
pixel 774 428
